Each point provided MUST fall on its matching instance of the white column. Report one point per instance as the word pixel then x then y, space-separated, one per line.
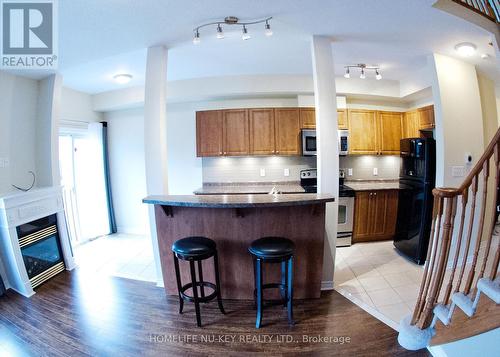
pixel 155 136
pixel 47 131
pixel 327 144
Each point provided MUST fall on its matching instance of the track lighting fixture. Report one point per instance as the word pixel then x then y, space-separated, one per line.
pixel 363 67
pixel 231 21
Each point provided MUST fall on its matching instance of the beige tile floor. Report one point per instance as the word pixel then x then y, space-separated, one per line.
pixel 123 255
pixel 377 278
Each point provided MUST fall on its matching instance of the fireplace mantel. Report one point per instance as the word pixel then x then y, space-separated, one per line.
pixel 18 208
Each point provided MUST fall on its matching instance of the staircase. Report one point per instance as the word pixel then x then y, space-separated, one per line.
pixel 460 289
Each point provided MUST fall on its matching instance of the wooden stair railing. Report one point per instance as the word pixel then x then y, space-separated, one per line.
pixel 463 252
pixel 488 8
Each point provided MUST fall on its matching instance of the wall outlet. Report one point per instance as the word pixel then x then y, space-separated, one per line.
pixel 375 171
pixel 286 172
pixel 349 172
pixel 458 171
pixel 262 172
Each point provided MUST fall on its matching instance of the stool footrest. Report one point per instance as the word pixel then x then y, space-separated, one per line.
pixel 199 284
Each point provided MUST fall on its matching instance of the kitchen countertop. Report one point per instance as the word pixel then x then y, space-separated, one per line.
pixel 239 201
pixel 248 188
pixel 368 185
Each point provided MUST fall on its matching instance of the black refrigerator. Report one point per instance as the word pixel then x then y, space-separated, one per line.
pixel 416 181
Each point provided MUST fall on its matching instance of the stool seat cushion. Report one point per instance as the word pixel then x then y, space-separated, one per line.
pixel 272 247
pixel 194 246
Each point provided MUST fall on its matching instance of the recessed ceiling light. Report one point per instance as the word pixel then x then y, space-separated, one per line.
pixel 465 49
pixel 122 78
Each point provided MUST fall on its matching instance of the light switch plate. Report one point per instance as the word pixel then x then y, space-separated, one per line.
pixel 262 172
pixel 349 172
pixel 286 172
pixel 458 171
pixel 375 171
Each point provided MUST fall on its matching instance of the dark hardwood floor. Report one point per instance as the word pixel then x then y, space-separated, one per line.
pixel 81 314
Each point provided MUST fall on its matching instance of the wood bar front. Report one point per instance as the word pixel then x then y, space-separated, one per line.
pixel 234 229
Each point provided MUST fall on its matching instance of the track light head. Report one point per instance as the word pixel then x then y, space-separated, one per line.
pixel 244 34
pixel 347 73
pixel 220 32
pixel 196 38
pixel 268 30
pixel 362 75
pixel 378 76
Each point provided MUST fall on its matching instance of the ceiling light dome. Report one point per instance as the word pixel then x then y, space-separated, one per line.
pixel 122 78
pixel 466 49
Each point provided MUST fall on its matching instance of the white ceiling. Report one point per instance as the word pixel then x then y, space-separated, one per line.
pixel 101 38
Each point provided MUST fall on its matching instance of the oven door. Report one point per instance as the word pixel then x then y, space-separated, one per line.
pixel 345 221
pixel 308 142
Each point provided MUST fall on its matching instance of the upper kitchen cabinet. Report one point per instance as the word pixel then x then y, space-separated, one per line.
pixel 342 118
pixel 287 131
pixel 209 133
pixel 426 117
pixel 411 125
pixel 389 132
pixel 235 132
pixel 363 133
pixel 307 118
pixel 262 134
pixel 418 119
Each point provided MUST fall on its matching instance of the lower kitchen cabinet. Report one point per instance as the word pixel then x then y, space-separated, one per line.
pixel 375 214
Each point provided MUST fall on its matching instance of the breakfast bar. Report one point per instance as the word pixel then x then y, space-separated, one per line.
pixel 233 222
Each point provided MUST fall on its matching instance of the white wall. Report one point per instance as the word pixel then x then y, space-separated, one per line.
pixel 485 344
pixel 18 115
pixel 127 170
pixel 77 106
pixel 459 124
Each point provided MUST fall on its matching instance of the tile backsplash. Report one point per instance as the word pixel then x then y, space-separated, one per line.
pixel 248 169
pixel 362 167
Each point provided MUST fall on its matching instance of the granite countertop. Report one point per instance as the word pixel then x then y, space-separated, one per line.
pixel 239 201
pixel 248 188
pixel 368 185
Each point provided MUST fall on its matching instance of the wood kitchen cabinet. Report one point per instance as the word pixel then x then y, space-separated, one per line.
pixel 416 120
pixel 342 118
pixel 209 133
pixel 262 133
pixel 287 131
pixel 308 118
pixel 375 214
pixel 411 125
pixel 363 132
pixel 390 129
pixel 426 117
pixel 235 132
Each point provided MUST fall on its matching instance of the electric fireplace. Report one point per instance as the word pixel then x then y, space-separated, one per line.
pixel 41 249
pixel 34 241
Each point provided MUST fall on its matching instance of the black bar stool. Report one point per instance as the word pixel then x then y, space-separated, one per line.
pixel 196 249
pixel 273 250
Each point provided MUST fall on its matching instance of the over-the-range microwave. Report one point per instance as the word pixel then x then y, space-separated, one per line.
pixel 309 142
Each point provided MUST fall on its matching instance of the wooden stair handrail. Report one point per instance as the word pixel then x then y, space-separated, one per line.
pixel 486 8
pixel 473 234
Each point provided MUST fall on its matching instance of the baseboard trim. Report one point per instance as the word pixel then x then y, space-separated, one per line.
pixel 326 285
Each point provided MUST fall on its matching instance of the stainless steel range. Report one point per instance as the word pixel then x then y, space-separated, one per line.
pixel 309 181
